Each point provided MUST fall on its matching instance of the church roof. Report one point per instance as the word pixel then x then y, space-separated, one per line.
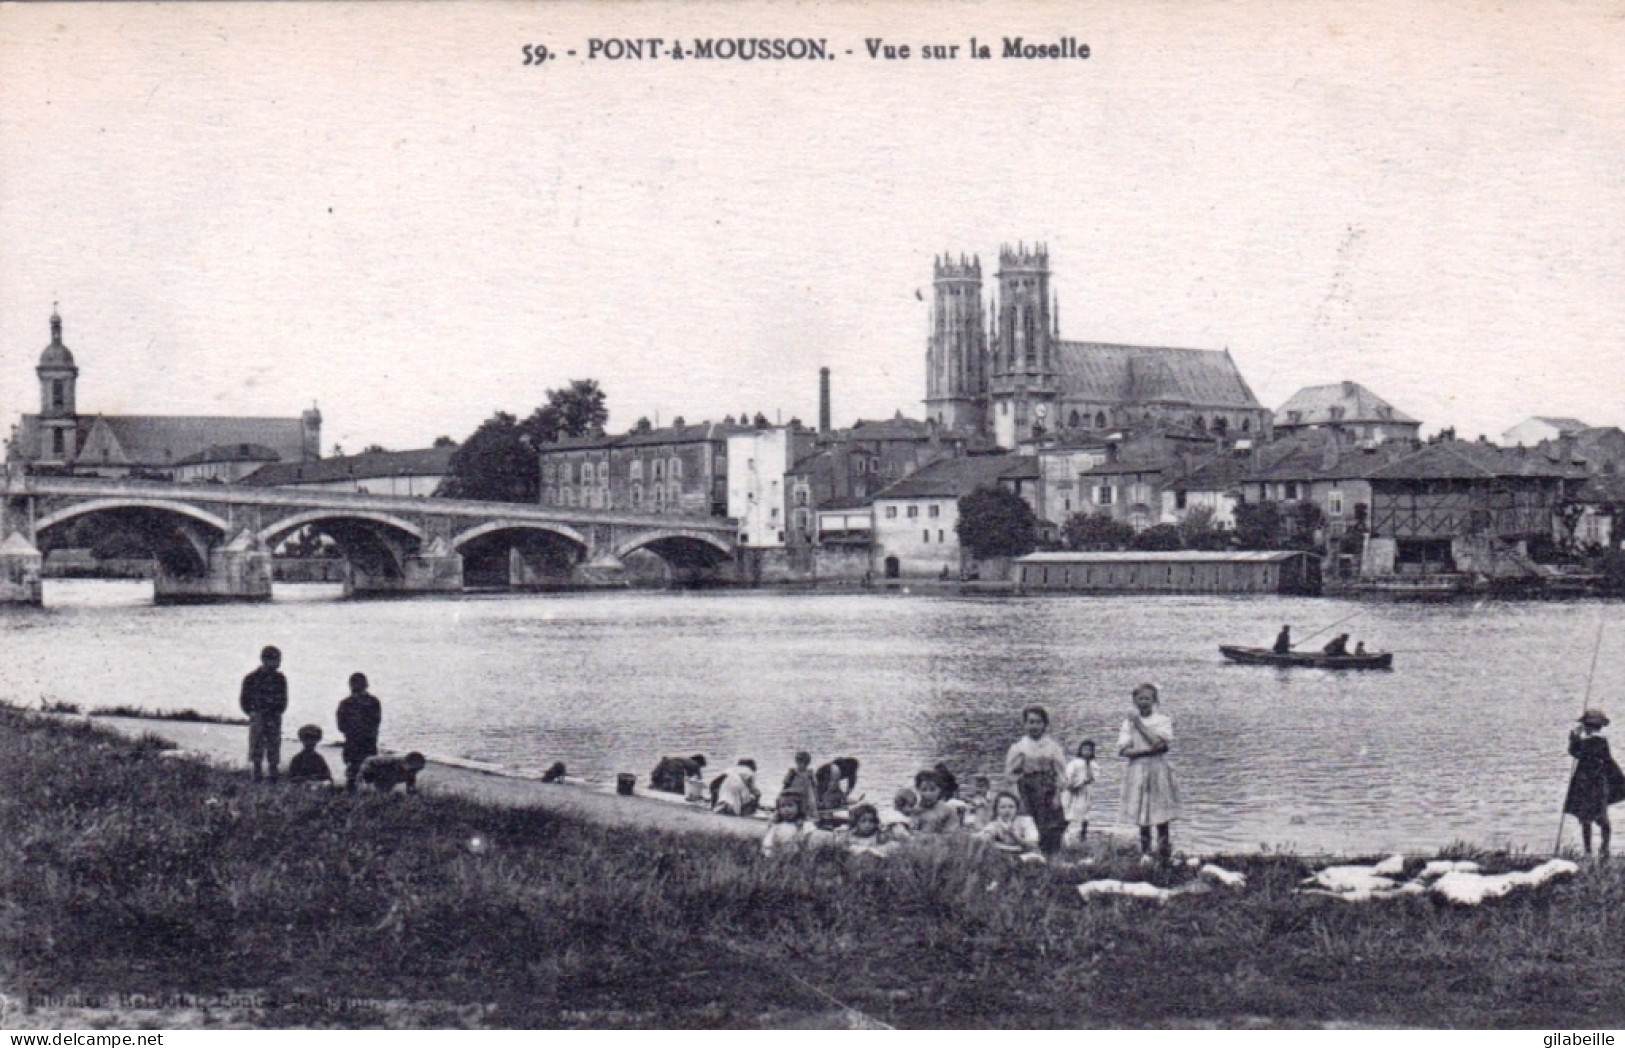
pixel 1339 402
pixel 163 440
pixel 1153 374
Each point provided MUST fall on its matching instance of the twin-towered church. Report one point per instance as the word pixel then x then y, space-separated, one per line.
pixel 1004 371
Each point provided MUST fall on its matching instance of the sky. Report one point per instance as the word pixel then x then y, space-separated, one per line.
pixel 245 209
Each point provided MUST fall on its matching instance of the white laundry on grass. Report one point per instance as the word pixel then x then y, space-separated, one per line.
pixel 1143 890
pixel 1459 881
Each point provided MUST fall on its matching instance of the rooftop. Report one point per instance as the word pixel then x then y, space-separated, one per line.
pixel 1340 403
pixel 421 462
pixel 954 477
pixel 1152 374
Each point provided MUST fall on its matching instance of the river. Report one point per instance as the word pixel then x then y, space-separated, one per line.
pixel 1463 740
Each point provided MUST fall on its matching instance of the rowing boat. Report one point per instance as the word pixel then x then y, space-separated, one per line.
pixel 1383 660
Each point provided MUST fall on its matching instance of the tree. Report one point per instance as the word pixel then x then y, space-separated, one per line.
pixel 1302 520
pixel 374 449
pixel 995 522
pixel 1096 531
pixel 443 442
pixel 1258 525
pixel 1198 530
pixel 1158 537
pixel 497 463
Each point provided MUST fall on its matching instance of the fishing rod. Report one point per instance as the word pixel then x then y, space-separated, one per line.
pixel 1333 626
pixel 1574 769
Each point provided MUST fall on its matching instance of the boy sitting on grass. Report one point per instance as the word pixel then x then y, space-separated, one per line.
pixel 308 766
pixel 389 771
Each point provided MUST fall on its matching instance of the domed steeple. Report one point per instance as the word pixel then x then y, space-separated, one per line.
pixel 56 354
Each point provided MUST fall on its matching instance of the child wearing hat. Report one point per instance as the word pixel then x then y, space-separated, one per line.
pixel 308 766
pixel 1597 781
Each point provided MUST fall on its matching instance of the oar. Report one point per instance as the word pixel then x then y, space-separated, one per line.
pixel 1333 626
pixel 1585 703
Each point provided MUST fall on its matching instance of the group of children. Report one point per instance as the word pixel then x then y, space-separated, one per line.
pixel 264 698
pixel 1045 813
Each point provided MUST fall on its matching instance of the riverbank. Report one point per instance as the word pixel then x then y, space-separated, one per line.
pixel 128 872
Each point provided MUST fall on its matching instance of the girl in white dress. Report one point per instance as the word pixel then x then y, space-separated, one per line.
pixel 1150 795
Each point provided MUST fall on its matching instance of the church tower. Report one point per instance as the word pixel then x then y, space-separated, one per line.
pixel 1024 383
pixel 58 426
pixel 956 351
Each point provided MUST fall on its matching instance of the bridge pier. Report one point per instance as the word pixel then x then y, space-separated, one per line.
pixel 239 571
pixel 433 570
pixel 20 571
pixel 604 570
pixel 527 571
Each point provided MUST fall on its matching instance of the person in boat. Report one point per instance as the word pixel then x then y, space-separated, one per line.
pixel 1597 781
pixel 1037 764
pixel 672 773
pixel 1150 794
pixel 1359 649
pixel 734 792
pixel 1338 646
pixel 1283 641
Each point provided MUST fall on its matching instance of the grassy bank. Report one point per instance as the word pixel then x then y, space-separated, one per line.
pixel 123 871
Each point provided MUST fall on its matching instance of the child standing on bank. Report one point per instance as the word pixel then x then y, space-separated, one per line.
pixel 1150 796
pixel 359 717
pixel 1597 781
pixel 1076 795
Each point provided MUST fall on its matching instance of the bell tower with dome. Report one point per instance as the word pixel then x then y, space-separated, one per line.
pixel 58 419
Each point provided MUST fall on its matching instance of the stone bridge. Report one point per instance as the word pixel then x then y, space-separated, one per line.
pixel 213 542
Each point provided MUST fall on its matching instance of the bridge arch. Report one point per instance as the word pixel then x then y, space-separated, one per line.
pixel 288 525
pixel 668 536
pixel 561 530
pixel 182 509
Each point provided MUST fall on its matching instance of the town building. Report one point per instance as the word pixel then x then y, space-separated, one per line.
pixel 1070 463
pixel 416 473
pixel 1455 506
pixel 678 469
pixel 845 467
pixel 1347 409
pixel 172 447
pixel 1538 428
pixel 915 523
pixel 766 510
pixel 1212 485
pixel 1319 468
pixel 1005 371
pixel 1601 448
pixel 1599 503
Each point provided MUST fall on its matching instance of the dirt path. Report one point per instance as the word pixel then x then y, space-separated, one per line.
pixel 227 744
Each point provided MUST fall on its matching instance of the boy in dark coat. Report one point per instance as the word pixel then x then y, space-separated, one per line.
pixel 1597 780
pixel 359 717
pixel 264 698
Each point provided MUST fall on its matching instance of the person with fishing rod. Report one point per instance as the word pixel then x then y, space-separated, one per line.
pixel 1597 781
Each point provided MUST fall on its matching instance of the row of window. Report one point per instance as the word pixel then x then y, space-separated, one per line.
pixel 657 497
pixel 589 472
pixel 932 510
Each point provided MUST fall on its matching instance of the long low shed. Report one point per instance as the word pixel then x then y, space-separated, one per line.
pixel 1185 571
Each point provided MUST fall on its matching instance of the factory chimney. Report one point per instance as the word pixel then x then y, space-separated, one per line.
pixel 823 400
